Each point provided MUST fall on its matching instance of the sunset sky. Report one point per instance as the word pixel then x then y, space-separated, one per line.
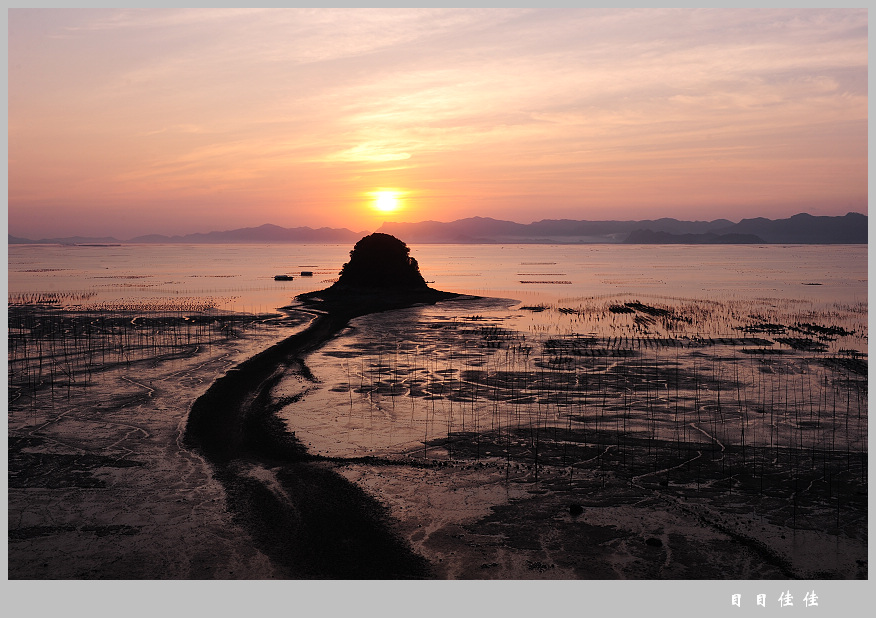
pixel 171 121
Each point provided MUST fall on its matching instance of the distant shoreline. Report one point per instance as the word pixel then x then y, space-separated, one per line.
pixel 515 241
pixel 850 229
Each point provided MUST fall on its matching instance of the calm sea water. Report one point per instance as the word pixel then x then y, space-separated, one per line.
pixel 241 277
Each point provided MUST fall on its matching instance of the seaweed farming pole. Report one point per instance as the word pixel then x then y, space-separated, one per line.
pixel 450 396
pixel 742 409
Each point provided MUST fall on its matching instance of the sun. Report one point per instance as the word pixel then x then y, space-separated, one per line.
pixel 386 201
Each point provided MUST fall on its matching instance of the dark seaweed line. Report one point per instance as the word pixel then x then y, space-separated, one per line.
pixel 218 419
pixel 322 526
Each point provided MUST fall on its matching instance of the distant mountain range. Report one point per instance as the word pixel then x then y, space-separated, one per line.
pixel 799 229
pixel 486 230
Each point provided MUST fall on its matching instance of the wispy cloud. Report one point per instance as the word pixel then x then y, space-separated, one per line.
pixel 191 96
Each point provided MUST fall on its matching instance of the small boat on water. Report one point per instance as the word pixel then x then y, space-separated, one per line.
pixel 283 277
pixel 306 273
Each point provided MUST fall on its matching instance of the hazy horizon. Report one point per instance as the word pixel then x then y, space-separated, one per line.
pixel 127 122
pixel 86 233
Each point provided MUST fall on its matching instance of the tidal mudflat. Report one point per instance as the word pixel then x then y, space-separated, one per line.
pixel 622 435
pixel 100 484
pixel 610 438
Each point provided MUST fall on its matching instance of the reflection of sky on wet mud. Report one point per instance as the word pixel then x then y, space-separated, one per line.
pixel 696 396
pixel 398 381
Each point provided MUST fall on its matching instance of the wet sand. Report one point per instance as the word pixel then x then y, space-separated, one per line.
pixel 110 485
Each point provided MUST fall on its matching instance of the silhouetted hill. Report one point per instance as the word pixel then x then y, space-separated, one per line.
pixel 647 237
pixel 803 228
pixel 568 227
pixel 486 230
